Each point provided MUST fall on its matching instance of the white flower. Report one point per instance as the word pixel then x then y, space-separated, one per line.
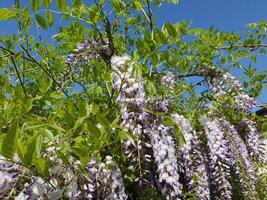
pixel 119 61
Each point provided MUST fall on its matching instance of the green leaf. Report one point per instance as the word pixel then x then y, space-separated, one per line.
pixel 28 105
pixel 38 145
pixel 159 36
pixel 22 12
pixel 94 15
pixel 138 5
pixel 175 1
pixel 76 3
pixel 61 5
pixel 116 5
pixel 93 130
pixel 69 120
pixel 123 135
pixel 30 150
pixel 44 85
pixel 264 126
pixel 170 29
pixel 41 21
pixel 102 120
pixel 10 141
pixel 21 149
pixel 34 5
pixel 46 3
pixel 41 166
pixel 6 14
pixel 49 135
pixel 49 18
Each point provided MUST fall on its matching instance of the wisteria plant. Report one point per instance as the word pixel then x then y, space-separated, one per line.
pixel 112 106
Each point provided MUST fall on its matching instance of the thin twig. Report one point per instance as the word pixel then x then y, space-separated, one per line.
pixel 6 55
pixel 21 36
pixel 254 46
pixel 16 69
pixel 17 72
pixel 149 15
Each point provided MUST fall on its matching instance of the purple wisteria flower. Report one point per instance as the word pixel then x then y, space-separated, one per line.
pixel 132 102
pixel 88 50
pixel 192 160
pixel 105 181
pixel 241 163
pixel 222 84
pixel 219 158
pixel 9 176
pixel 166 159
pixel 168 80
pixel 248 130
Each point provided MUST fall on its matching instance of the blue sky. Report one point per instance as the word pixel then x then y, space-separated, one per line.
pixel 227 15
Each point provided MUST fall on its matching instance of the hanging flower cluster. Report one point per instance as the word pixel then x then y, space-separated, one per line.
pixel 219 158
pixel 105 181
pixel 166 160
pixel 192 160
pixel 131 98
pixel 168 80
pixel 9 175
pixel 240 161
pixel 251 136
pixel 224 83
pixel 88 50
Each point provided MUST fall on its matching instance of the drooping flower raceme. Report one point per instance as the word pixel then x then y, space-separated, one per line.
pixel 168 80
pixel 105 181
pixel 219 158
pixel 241 164
pixel 88 50
pixel 250 135
pixel 132 102
pixel 221 84
pixel 166 160
pixel 9 176
pixel 192 160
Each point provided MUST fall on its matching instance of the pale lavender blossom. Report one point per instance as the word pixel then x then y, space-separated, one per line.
pixel 219 157
pixel 222 84
pixel 105 180
pixel 168 80
pixel 88 50
pixel 166 160
pixel 250 134
pixel 9 176
pixel 192 160
pixel 162 106
pixel 241 163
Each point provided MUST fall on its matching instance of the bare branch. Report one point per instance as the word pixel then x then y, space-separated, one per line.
pixel 243 46
pixel 17 72
pixel 149 15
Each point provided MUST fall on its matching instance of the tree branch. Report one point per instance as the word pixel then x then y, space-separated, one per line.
pixel 149 15
pixel 243 46
pixel 11 54
pixel 17 72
